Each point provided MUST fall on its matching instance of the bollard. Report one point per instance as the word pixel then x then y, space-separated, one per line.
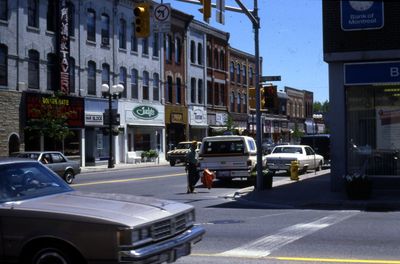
pixel 294 170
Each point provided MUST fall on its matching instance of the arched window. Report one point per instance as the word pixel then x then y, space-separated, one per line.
pixel 178 50
pixel 193 90
pixel 200 54
pixel 232 102
pixel 71 75
pixel 200 91
pixel 192 51
pixel 91 90
pixel 91 25
pixel 4 10
pixel 122 80
pixel 51 72
pixel 156 87
pixel 134 84
pixel 238 73
pixel 105 74
pixel 105 29
pixel 134 42
pixel 3 65
pixel 178 91
pixel 122 34
pixel 232 71
pixel 168 93
pixel 244 71
pixel 33 69
pixel 239 103
pixel 145 85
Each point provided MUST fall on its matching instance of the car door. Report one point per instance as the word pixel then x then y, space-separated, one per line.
pixel 311 158
pixel 58 163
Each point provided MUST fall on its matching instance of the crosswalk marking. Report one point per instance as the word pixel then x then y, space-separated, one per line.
pixel 263 246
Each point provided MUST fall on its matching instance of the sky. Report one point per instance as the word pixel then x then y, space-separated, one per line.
pixel 290 40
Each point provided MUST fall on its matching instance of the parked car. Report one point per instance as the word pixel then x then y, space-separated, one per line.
pixel 64 167
pixel 178 154
pixel 282 156
pixel 320 143
pixel 44 220
pixel 228 157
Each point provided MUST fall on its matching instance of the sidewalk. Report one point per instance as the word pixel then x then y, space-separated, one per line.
pixel 123 166
pixel 312 191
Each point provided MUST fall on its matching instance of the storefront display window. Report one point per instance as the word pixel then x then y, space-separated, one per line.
pixel 373 129
pixel 142 142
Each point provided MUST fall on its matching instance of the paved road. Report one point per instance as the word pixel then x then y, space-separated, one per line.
pixel 241 232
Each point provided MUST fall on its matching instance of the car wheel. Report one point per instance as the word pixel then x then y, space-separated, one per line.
pixel 319 167
pixel 53 255
pixel 69 176
pixel 172 163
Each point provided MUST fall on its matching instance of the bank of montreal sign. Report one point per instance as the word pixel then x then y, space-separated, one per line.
pixel 361 15
pixel 372 73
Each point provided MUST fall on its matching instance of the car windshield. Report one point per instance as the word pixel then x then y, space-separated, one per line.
pixel 183 146
pixel 296 150
pixel 26 180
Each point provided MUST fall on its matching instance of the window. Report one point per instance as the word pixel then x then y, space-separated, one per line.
pixel 217 94
pixel 222 94
pixel 71 75
pixel 105 74
pixel 192 51
pixel 178 91
pixel 168 50
pixel 209 93
pixel 33 69
pixel 239 103
pixel 155 45
pixel 251 81
pixel 91 25
pixel 91 78
pixel 222 60
pixel 145 46
pixel 232 102
pixel 33 13
pixel 169 90
pixel 200 54
pixel 216 65
pixel 122 34
pixel 244 103
pixel 71 19
pixel 232 71
pixel 209 56
pixel 244 71
pixel 51 72
pixel 156 87
pixel 134 42
pixel 51 17
pixel 3 65
pixel 238 73
pixel 145 85
pixel 3 9
pixel 178 50
pixel 200 91
pixel 134 84
pixel 193 90
pixel 105 29
pixel 122 80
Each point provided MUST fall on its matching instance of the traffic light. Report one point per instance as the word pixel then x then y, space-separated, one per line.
pixel 142 21
pixel 269 99
pixel 206 10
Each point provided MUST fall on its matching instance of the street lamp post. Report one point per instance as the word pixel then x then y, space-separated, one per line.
pixel 111 91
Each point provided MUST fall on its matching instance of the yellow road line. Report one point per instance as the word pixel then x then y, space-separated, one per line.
pixel 304 259
pixel 128 180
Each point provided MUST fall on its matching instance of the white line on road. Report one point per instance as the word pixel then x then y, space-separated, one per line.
pixel 263 246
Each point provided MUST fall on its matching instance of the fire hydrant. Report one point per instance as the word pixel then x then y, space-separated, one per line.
pixel 294 170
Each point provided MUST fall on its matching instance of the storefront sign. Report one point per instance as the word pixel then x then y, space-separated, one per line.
pixel 221 119
pixel 93 119
pixel 361 15
pixel 372 73
pixel 198 116
pixel 177 118
pixel 145 112
pixel 64 48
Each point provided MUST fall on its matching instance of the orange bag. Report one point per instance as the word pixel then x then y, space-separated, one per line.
pixel 207 178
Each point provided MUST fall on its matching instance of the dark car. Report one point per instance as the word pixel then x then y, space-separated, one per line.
pixel 320 143
pixel 43 220
pixel 64 167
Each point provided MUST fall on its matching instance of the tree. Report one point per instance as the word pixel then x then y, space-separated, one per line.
pixel 319 107
pixel 230 126
pixel 297 134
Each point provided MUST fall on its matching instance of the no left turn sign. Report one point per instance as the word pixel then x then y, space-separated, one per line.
pixel 162 13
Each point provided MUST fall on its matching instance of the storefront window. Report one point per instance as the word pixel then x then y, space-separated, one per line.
pixel 142 142
pixel 373 126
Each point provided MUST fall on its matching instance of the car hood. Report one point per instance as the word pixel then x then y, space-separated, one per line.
pixel 123 209
pixel 179 151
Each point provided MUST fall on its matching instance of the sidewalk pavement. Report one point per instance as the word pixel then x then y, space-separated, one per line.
pixel 313 191
pixel 124 166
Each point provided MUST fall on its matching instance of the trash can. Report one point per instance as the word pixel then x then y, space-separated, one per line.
pixel 294 170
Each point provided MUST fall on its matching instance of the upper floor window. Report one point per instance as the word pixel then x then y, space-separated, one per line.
pixel 71 19
pixel 145 46
pixel 91 25
pixel 178 50
pixel 71 75
pixel 200 91
pixel 209 56
pixel 134 42
pixel 91 90
pixel 178 91
pixel 33 13
pixel 156 87
pixel 244 71
pixel 222 94
pixel 105 74
pixel 51 72
pixel 200 54
pixel 193 90
pixel 192 51
pixel 239 103
pixel 33 69
pixel 168 49
pixel 168 93
pixel 3 9
pixel 145 85
pixel 238 73
pixel 122 34
pixel 122 80
pixel 3 65
pixel 51 17
pixel 232 71
pixel 244 103
pixel 222 60
pixel 155 44
pixel 216 65
pixel 210 94
pixel 105 29
pixel 134 84
pixel 251 77
pixel 232 101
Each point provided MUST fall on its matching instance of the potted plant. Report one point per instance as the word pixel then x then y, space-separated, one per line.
pixel 152 154
pixel 144 156
pixel 358 186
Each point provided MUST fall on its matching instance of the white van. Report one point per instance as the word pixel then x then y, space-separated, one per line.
pixel 228 156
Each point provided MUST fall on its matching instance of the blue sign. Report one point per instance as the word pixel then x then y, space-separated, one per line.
pixel 372 73
pixel 361 15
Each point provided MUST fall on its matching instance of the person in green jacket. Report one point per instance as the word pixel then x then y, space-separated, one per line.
pixel 191 168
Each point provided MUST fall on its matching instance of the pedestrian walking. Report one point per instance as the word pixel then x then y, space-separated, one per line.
pixel 191 168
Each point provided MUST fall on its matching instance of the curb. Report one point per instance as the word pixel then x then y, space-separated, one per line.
pixel 122 166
